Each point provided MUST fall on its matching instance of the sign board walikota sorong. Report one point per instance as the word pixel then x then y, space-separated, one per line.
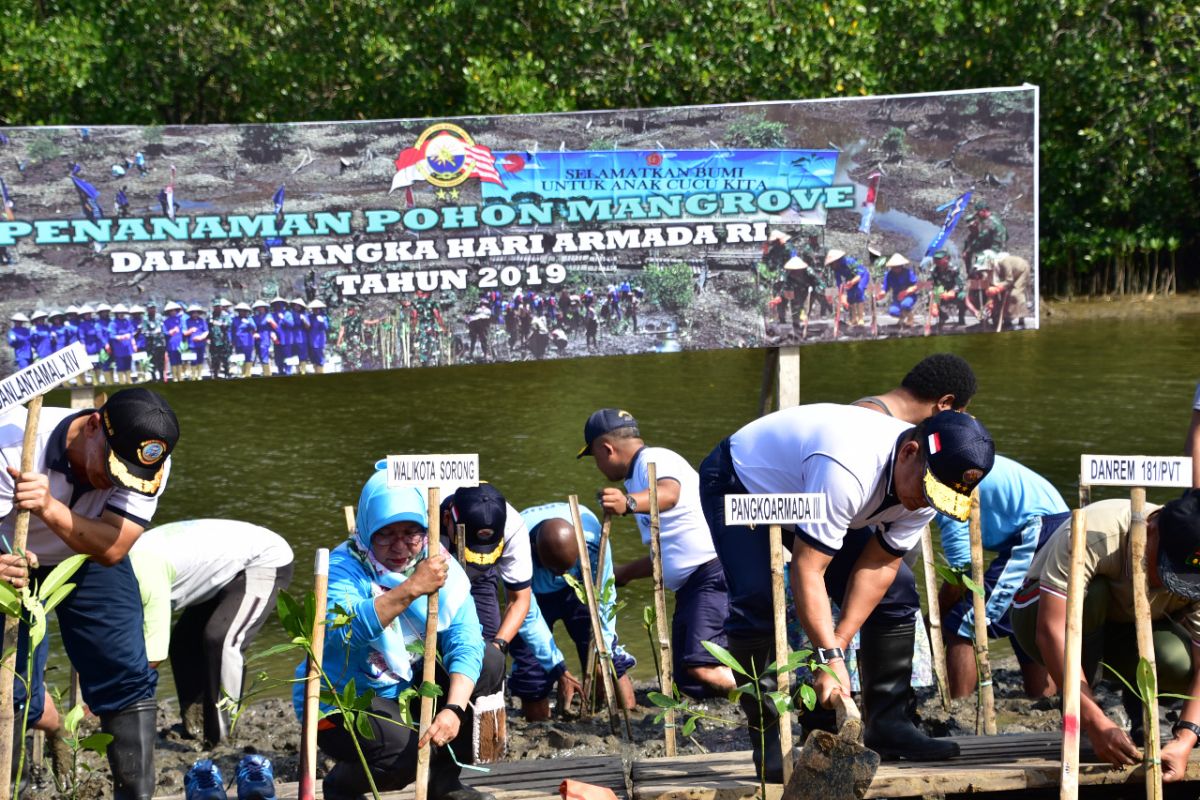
pixel 1145 471
pixel 441 470
pixel 397 243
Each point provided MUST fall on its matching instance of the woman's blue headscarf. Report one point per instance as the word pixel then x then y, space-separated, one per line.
pixel 379 505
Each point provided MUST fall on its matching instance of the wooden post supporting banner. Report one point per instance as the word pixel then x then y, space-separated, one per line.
pixel 985 714
pixel 1145 639
pixel 20 537
pixel 789 377
pixel 589 675
pixel 660 609
pixel 936 643
pixel 604 660
pixel 1072 668
pixel 306 789
pixel 782 677
pixel 767 391
pixel 351 524
pixel 429 659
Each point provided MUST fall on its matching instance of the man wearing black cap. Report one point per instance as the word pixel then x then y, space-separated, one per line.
pixel 94 487
pixel 690 566
pixel 1173 565
pixel 497 549
pixel 882 479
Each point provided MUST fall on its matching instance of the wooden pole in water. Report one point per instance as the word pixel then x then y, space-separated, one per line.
pixel 936 643
pixel 429 659
pixel 985 722
pixel 1072 668
pixel 589 589
pixel 660 609
pixel 306 790
pixel 782 677
pixel 589 675
pixel 20 537
pixel 1145 640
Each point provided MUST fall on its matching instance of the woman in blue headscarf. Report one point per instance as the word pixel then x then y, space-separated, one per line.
pixel 381 576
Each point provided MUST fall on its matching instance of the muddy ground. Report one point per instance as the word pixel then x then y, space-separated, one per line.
pixel 270 727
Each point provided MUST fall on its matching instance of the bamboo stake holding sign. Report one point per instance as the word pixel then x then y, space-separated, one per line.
pixel 783 678
pixel 27 386
pixel 985 716
pixel 660 609
pixel 1145 640
pixel 936 642
pixel 589 675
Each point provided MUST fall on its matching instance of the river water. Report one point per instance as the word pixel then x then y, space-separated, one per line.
pixel 289 453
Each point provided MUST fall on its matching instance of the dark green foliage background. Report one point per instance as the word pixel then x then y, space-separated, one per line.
pixel 1120 158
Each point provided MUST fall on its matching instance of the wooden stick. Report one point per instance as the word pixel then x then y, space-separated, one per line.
pixel 460 542
pixel 985 722
pixel 1072 669
pixel 589 675
pixel 837 312
pixel 660 610
pixel 20 537
pixel 782 677
pixel 589 589
pixel 807 312
pixel 351 523
pixel 429 662
pixel 306 789
pixel 936 643
pixel 1145 639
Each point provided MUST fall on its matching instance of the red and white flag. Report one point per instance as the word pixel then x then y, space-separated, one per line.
pixel 869 202
pixel 485 164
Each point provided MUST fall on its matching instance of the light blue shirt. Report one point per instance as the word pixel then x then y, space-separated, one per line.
pixel 1013 499
pixel 534 630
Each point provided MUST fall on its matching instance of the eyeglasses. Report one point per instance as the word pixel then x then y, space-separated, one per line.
pixel 388 538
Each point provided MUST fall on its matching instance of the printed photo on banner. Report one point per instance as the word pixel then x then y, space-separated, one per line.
pixel 239 251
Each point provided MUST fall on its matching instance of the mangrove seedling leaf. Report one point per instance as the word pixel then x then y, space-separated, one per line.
pixel 690 726
pixel 273 650
pixel 724 656
pixel 58 596
pixel 1146 680
pixel 289 614
pixel 781 700
pixel 363 723
pixel 808 696
pixel 429 689
pixel 72 719
pixel 60 575
pixel 972 586
pixel 661 700
pixel 97 743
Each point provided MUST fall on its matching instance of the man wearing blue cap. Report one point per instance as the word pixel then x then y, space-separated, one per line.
pixel 690 566
pixel 382 575
pixel 879 475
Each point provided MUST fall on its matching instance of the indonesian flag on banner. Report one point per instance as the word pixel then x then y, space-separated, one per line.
pixel 869 202
pixel 170 195
pixel 407 172
pixel 485 164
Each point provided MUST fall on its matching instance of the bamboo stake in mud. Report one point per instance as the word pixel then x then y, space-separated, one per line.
pixel 782 677
pixel 604 660
pixel 1072 668
pixel 429 663
pixel 589 675
pixel 1145 640
pixel 936 643
pixel 660 609
pixel 985 713
pixel 20 537
pixel 306 790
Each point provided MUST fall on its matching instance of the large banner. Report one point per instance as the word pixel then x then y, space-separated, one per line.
pixel 176 253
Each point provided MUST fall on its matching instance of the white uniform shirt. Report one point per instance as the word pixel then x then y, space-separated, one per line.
pixel 686 542
pixel 515 564
pixel 844 452
pixel 50 458
pixel 207 553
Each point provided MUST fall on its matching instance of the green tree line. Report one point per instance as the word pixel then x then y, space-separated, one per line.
pixel 1119 158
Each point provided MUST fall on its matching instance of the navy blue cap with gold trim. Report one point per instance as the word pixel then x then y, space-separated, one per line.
pixel 141 430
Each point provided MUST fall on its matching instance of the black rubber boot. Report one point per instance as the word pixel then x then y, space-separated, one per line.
pixel 1137 716
pixel 345 782
pixel 885 665
pixel 131 753
pixel 764 718
pixel 444 782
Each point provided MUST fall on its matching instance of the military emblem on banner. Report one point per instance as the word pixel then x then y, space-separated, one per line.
pixel 445 156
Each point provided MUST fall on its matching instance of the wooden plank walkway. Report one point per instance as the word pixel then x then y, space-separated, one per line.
pixel 533 779
pixel 987 764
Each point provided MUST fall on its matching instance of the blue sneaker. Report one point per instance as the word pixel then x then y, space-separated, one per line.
pixel 204 782
pixel 255 778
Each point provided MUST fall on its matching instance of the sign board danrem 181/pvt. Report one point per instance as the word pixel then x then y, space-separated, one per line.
pixel 1147 471
pixel 774 509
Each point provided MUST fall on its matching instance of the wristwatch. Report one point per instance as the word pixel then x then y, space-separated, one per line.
pixel 501 644
pixel 1183 724
pixel 823 655
pixel 630 504
pixel 456 708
